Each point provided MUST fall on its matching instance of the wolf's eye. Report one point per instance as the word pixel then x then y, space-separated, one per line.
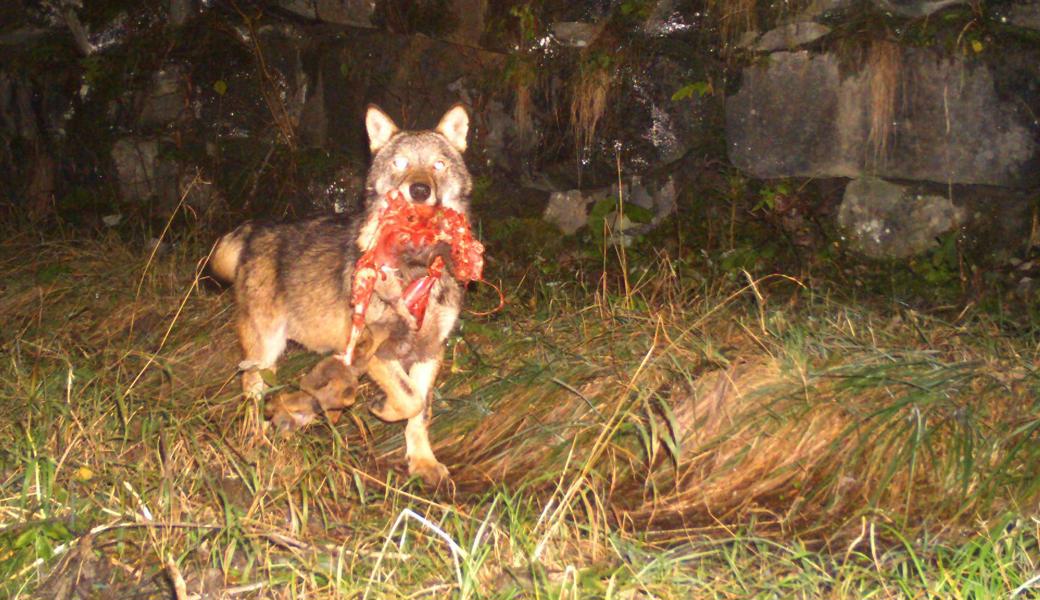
pixel 400 162
pixel 439 165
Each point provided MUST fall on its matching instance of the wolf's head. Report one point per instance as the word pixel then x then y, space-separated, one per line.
pixel 425 166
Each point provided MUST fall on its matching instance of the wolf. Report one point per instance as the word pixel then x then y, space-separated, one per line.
pixel 293 282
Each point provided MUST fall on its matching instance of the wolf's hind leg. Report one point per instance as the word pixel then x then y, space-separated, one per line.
pixel 261 347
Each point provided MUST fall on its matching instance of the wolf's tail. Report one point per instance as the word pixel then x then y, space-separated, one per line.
pixel 223 262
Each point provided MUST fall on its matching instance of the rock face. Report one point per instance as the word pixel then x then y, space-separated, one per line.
pixel 824 8
pixel 790 36
pixel 885 220
pixel 574 33
pixel 141 174
pixel 562 93
pixel 903 8
pixel 784 120
pixel 645 125
pixel 144 175
pixel 916 8
pixel 1023 13
pixel 165 101
pixel 472 17
pixel 357 13
pixel 414 78
pixel 798 116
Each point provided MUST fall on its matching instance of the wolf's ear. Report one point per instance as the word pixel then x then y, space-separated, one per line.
pixel 380 127
pixel 454 126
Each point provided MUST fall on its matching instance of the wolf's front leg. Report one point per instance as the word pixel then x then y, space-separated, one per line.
pixel 407 397
pixel 421 460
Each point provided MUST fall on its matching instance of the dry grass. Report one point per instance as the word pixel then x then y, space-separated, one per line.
pixel 776 429
pixel 523 108
pixel 885 68
pixel 697 442
pixel 589 103
pixel 734 17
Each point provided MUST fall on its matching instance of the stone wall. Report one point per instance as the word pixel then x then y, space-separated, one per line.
pixel 268 105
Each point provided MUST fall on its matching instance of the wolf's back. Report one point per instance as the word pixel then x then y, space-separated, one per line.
pixel 224 261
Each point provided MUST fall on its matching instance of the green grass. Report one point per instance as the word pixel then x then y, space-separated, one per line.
pixel 706 435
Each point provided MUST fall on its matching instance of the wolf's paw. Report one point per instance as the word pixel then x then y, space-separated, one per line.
pixel 289 412
pixel 253 385
pixel 433 473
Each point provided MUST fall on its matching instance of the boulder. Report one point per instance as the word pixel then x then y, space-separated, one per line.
pixel 199 192
pixel 902 8
pixel 659 199
pixel 39 194
pixel 501 137
pixel 567 210
pixel 886 220
pixel 18 117
pixel 313 128
pixel 786 119
pixel 144 175
pixel 798 115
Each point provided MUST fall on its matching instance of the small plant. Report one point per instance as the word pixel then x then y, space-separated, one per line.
pixel 610 222
pixel 773 197
pixel 699 89
pixel 635 10
pixel 482 194
pixel 527 22
pixel 940 266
